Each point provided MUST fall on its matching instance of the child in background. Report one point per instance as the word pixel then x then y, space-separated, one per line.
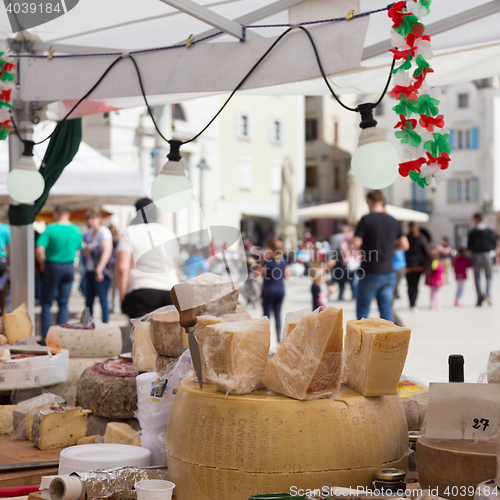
pixel 460 266
pixel 435 279
pixel 318 295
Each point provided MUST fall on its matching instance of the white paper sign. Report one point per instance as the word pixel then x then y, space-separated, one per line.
pixel 463 411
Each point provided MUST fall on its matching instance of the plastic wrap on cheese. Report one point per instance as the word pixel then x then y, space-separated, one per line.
pixel 493 369
pixel 200 331
pixel 236 354
pixel 375 354
pixel 291 321
pixel 308 364
pixel 143 352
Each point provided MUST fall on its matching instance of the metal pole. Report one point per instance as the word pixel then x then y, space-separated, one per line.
pixel 22 242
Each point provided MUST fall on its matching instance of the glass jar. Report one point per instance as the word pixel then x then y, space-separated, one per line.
pixel 390 481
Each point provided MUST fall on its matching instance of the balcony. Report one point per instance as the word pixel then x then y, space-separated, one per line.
pixel 420 205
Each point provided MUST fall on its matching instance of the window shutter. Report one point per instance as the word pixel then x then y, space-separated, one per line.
pixel 475 138
pixel 450 190
pixel 475 189
pixel 451 139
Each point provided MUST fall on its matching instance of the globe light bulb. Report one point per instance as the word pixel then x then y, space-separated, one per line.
pixel 375 162
pixel 25 184
pixel 171 189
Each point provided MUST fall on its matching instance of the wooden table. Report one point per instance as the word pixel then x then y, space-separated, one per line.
pixel 19 452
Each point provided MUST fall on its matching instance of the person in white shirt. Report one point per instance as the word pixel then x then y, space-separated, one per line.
pixel 146 263
pixel 98 250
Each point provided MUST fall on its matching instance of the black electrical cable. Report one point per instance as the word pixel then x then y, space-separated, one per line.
pixel 328 83
pixel 73 108
pixel 227 100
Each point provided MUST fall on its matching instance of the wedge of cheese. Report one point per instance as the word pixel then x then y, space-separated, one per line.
pixel 308 364
pixel 88 439
pixel 143 352
pixel 59 426
pixel 17 324
pixel 375 354
pixel 121 433
pixel 236 354
pixel 200 331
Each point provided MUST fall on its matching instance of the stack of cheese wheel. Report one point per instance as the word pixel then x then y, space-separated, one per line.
pixel 109 390
pixel 231 447
pixel 86 347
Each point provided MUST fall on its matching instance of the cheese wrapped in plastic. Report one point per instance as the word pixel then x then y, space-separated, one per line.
pixel 493 369
pixel 236 354
pixel 291 321
pixel 200 331
pixel 143 352
pixel 308 364
pixel 375 354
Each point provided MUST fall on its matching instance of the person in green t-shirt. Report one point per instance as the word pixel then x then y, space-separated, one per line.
pixel 56 250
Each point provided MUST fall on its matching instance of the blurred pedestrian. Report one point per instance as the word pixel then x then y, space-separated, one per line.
pixel 318 295
pixel 146 289
pixel 56 250
pixel 481 242
pixel 435 279
pixel 378 235
pixel 445 256
pixel 399 267
pixel 4 268
pixel 274 269
pixel 114 296
pixel 460 265
pixel 98 248
pixel 417 260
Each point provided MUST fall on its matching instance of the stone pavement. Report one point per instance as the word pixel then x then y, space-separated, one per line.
pixel 469 330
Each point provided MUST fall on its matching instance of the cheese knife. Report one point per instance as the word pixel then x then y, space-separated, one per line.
pixel 183 298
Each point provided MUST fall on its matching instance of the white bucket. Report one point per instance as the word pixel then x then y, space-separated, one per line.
pixel 154 489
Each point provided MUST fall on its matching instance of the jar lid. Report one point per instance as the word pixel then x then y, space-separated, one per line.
pixel 390 474
pixel 413 436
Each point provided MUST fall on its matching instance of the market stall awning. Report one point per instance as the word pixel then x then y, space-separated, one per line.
pixel 340 210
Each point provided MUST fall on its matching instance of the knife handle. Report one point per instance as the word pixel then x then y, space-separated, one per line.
pixel 183 293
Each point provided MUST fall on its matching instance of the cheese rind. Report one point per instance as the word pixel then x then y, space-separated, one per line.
pixel 163 364
pixel 200 332
pixel 236 354
pixel 17 324
pixel 213 295
pixel 59 426
pixel 143 351
pixel 103 341
pixel 6 417
pixel 375 354
pixel 121 433
pixel 98 425
pixel 227 444
pixel 308 364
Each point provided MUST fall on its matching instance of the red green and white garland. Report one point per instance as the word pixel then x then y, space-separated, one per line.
pixel 424 137
pixel 7 83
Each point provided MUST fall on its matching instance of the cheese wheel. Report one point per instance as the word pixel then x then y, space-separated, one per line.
pixel 103 341
pixel 107 396
pixel 6 417
pixel 67 390
pixel 230 447
pixel 163 363
pixel 455 465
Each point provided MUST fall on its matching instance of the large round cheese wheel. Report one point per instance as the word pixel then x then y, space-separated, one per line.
pixel 67 390
pixel 231 447
pixel 455 466
pixel 107 396
pixel 103 341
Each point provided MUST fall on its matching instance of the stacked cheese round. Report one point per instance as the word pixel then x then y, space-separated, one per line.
pixel 231 447
pixel 103 341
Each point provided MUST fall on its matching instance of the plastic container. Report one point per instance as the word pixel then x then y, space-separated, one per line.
pixel 154 489
pixel 102 456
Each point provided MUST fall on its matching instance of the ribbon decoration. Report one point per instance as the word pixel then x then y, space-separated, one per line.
pixel 7 79
pixel 426 160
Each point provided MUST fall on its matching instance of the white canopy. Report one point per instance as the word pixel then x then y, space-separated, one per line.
pixel 340 210
pixel 466 40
